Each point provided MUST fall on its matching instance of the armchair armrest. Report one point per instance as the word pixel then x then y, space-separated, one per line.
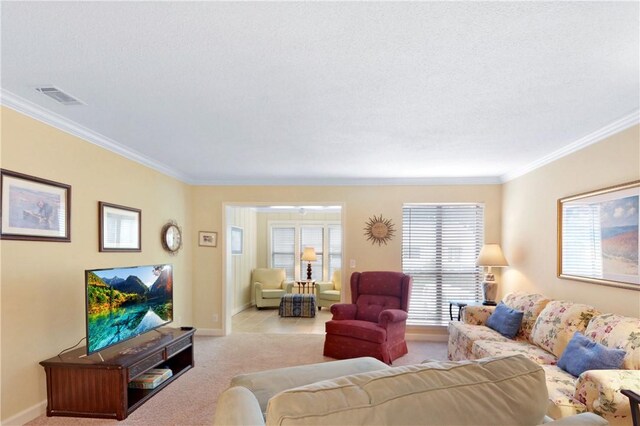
pixel 476 315
pixel 287 286
pixel 392 315
pixel 599 390
pixel 343 311
pixel 320 287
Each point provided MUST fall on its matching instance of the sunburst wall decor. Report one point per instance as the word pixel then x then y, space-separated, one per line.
pixel 379 230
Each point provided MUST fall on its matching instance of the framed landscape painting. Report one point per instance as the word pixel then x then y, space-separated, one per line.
pixel 34 209
pixel 598 236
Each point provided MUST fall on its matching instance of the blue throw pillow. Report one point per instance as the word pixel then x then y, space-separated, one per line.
pixel 505 320
pixel 582 354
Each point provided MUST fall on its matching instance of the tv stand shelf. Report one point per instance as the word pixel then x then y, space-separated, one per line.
pixel 91 386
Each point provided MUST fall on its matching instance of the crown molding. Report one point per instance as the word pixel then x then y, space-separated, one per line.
pixel 427 181
pixel 43 115
pixel 594 137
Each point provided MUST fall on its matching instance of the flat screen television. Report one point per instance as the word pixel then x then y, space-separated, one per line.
pixel 123 303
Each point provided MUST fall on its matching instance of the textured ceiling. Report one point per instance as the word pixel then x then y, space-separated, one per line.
pixel 320 92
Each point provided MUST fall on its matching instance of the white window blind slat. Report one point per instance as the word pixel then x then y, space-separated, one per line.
pixel 440 245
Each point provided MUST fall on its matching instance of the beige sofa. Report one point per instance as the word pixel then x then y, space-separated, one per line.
pixel 546 328
pixel 364 391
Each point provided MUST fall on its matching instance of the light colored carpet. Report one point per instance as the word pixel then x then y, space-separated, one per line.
pixel 191 400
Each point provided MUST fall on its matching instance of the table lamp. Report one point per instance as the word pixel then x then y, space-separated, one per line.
pixel 309 255
pixel 490 256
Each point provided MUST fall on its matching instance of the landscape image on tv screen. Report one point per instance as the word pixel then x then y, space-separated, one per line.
pixel 123 303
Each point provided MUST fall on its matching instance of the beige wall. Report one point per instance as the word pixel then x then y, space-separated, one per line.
pixel 243 264
pixel 530 220
pixel 42 305
pixel 42 288
pixel 359 204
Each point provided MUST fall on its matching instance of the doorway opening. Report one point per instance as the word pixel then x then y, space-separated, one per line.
pixel 272 235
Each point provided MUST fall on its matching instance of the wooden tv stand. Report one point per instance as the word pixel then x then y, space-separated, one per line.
pixel 88 386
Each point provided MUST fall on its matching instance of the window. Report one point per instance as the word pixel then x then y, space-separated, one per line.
pixel 283 249
pixel 335 249
pixel 288 239
pixel 312 236
pixel 582 241
pixel 440 244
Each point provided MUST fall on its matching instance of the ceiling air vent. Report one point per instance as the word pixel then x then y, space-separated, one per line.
pixel 59 96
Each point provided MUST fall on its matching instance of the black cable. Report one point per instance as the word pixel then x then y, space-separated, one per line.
pixel 68 349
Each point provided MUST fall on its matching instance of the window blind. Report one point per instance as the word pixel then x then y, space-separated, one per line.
pixel 582 240
pixel 440 244
pixel 335 249
pixel 289 239
pixel 283 249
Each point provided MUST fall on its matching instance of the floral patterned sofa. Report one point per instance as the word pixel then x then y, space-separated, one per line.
pixel 546 328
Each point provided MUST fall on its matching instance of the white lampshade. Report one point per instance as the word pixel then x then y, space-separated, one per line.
pixel 309 254
pixel 491 255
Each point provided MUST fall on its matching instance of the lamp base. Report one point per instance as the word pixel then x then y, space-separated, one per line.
pixel 489 291
pixel 309 271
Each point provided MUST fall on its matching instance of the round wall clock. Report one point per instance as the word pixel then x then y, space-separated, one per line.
pixel 171 237
pixel 379 230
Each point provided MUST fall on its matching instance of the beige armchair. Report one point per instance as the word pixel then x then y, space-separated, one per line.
pixel 269 286
pixel 328 293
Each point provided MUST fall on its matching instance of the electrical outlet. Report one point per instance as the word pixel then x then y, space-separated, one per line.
pixel 215 317
pixel 352 263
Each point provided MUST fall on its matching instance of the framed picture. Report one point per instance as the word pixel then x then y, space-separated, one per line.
pixel 120 228
pixel 207 239
pixel 598 236
pixel 236 240
pixel 34 209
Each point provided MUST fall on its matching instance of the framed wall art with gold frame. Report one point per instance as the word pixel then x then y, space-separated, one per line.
pixel 598 236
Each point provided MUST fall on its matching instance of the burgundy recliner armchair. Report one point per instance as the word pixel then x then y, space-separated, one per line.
pixel 374 324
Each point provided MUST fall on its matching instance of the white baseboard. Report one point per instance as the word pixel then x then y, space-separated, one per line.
pixel 209 332
pixel 427 337
pixel 25 416
pixel 241 308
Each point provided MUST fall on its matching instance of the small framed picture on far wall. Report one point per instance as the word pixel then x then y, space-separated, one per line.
pixel 207 239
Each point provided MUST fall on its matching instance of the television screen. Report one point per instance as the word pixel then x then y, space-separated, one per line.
pixel 123 303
